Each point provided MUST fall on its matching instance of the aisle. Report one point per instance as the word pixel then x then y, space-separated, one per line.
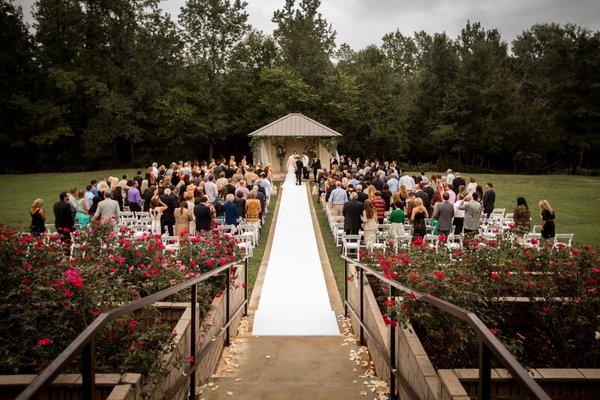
pixel 294 299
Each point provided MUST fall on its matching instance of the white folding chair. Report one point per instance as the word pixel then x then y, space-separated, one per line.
pixel 536 229
pixel 561 239
pixel 453 242
pixel 171 243
pixel 432 241
pixel 351 244
pixel 532 240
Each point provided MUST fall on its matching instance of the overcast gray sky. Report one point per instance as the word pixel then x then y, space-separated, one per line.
pixel 364 22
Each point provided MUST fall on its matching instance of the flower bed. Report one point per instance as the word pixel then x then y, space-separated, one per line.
pixel 553 327
pixel 47 298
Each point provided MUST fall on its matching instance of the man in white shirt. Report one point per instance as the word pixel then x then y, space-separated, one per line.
pixel 210 190
pixel 407 181
pixel 449 176
pixel 392 183
pixel 108 210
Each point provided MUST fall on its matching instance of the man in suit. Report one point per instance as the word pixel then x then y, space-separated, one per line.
pixel 362 196
pixel 458 182
pixel 64 218
pixel 489 199
pixel 108 210
pixel 352 212
pixel 443 212
pixel 167 219
pixel 203 215
pixel 316 166
pixel 299 170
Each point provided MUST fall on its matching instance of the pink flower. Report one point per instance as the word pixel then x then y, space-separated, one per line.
pixel 133 324
pixel 44 342
pixel 68 293
pixel 493 331
pixel 74 277
pixel 191 359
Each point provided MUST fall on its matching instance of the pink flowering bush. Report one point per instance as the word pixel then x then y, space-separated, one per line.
pixel 543 305
pixel 47 298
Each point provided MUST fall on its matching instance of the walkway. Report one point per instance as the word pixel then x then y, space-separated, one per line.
pixel 294 299
pixel 302 352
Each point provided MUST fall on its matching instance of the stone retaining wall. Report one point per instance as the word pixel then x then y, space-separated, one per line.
pixel 413 363
pixel 560 384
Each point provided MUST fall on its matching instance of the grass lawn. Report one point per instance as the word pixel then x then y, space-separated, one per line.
pixel 17 192
pixel 576 199
pixel 259 250
pixel 333 252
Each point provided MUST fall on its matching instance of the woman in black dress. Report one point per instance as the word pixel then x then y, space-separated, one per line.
pixel 548 227
pixel 38 217
pixel 418 215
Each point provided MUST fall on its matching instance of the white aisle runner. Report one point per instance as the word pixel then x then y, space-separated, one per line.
pixel 294 299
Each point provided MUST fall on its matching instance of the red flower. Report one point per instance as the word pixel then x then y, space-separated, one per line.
pixel 68 293
pixel 121 260
pixel 534 242
pixel 191 359
pixel 586 246
pixel 411 296
pixel 491 243
pixel 44 342
pixel 596 270
pixel 439 275
pixel 457 253
pixel 28 266
pixel 494 276
pixel 414 277
pixel 442 238
pixel 210 263
pixel 222 261
pixel 545 309
pixel 419 241
pixel 493 331
pixel 133 324
pixel 389 303
pixel 74 277
pixel 574 252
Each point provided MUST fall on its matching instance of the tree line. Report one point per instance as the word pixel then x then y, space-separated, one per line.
pixel 97 84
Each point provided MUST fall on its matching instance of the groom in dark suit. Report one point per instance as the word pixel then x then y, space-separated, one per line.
pixel 299 170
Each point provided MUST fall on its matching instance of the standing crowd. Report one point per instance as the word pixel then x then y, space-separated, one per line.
pixel 183 198
pixel 368 193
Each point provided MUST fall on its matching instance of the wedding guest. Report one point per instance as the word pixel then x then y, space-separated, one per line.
pixel 417 216
pixel 397 218
pixel 459 215
pixel 489 199
pixel 108 210
pixel 183 217
pixel 379 205
pixel 472 209
pixel 252 207
pixel 64 220
pixel 240 204
pixel 337 198
pixel 370 225
pixel 203 215
pixel 548 216
pixel 38 217
pixel 231 215
pixel 521 219
pixel 352 212
pixel 444 212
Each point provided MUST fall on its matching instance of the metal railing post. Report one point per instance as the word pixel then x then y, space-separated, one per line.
pixel 361 284
pixel 246 286
pixel 227 306
pixel 485 372
pixel 345 288
pixel 393 392
pixel 194 301
pixel 88 370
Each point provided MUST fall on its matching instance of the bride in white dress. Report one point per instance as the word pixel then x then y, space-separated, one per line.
pixel 290 178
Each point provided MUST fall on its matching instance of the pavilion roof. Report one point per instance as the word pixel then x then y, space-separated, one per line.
pixel 295 125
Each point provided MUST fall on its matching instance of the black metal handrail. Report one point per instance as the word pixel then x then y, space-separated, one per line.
pixel 85 342
pixel 488 343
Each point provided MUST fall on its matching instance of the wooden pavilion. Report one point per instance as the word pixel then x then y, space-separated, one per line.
pixel 274 143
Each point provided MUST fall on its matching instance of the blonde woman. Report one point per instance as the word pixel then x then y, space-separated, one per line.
pixel 183 219
pixel 371 191
pixel 471 186
pixel 370 225
pixel 417 216
pixel 548 227
pixel 252 207
pixel 38 217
